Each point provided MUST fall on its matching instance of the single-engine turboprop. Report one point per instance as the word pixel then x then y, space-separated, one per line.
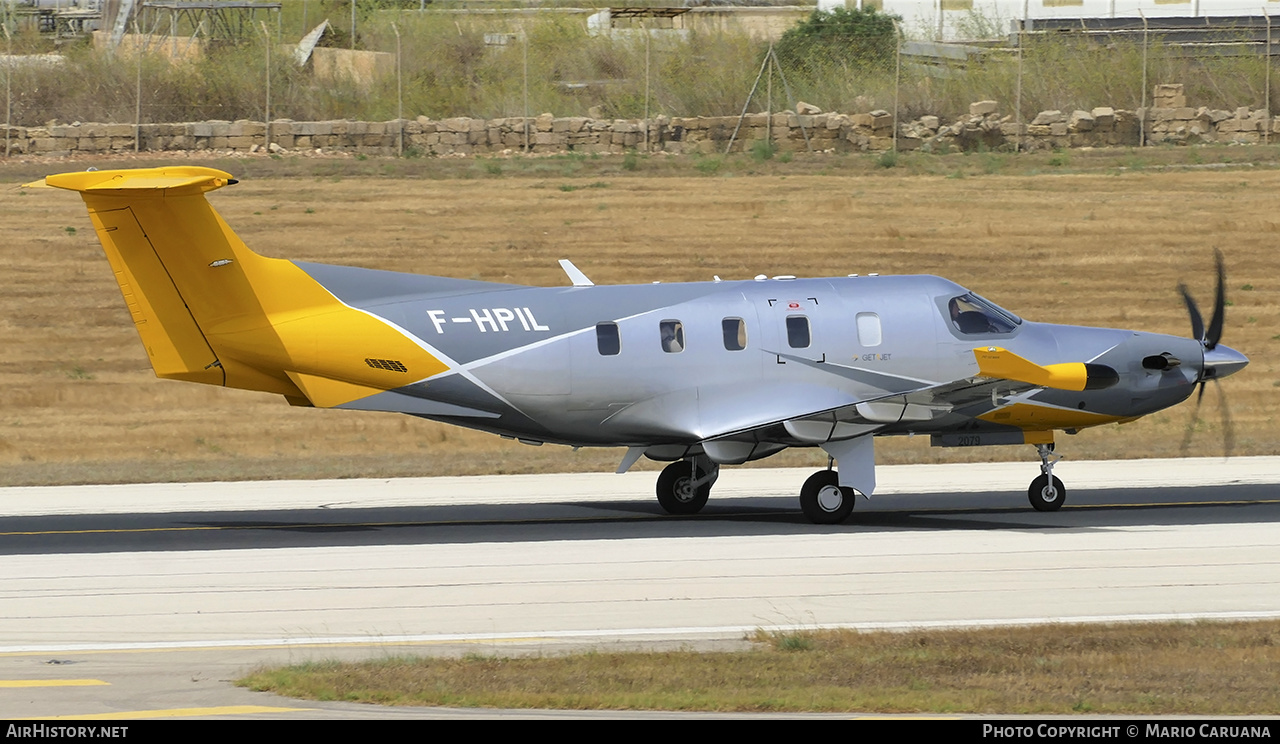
pixel 700 374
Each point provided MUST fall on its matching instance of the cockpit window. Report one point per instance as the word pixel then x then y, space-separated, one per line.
pixel 971 314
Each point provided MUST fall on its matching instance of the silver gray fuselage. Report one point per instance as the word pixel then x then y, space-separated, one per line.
pixel 529 362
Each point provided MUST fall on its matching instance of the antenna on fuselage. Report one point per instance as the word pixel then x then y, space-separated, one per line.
pixel 576 276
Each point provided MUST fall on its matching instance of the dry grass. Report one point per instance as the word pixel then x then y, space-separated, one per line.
pixel 1164 669
pixel 78 402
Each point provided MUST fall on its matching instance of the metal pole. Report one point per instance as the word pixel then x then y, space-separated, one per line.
pixel 137 95
pixel 266 119
pixel 768 108
pixel 1142 120
pixel 1266 133
pixel 768 59
pixel 525 31
pixel 791 101
pixel 647 34
pixel 353 25
pixel 1017 96
pixel 897 79
pixel 399 97
pixel 8 86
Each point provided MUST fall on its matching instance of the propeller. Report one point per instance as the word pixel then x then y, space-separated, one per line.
pixel 1218 361
pixel 1208 338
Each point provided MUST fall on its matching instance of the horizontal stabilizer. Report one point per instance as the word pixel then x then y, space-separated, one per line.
pixel 193 178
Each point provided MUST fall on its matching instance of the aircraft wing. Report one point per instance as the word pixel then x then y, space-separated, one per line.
pixel 1000 376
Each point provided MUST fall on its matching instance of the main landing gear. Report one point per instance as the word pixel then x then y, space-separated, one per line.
pixel 824 501
pixel 1047 492
pixel 685 485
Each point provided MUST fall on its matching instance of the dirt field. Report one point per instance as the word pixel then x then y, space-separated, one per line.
pixel 78 401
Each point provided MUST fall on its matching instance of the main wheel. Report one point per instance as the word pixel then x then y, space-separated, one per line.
pixel 824 501
pixel 1046 496
pixel 676 493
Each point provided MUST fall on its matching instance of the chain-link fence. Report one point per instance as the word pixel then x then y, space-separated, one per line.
pixel 524 63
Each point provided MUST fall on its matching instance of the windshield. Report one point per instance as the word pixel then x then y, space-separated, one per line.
pixel 970 314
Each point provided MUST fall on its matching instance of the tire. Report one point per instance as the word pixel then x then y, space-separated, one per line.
pixel 824 501
pixel 1046 498
pixel 675 492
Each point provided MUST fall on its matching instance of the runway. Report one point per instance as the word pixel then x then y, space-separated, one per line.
pixel 542 561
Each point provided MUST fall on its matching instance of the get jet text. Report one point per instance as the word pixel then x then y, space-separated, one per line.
pixel 496 319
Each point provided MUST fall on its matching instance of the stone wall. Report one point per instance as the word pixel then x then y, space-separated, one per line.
pixel 984 127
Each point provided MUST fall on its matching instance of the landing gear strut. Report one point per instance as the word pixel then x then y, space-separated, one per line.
pixel 1047 492
pixel 824 501
pixel 685 485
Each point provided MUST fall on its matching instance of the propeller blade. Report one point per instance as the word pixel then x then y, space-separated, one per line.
pixel 1228 428
pixel 1191 426
pixel 1197 320
pixel 1214 333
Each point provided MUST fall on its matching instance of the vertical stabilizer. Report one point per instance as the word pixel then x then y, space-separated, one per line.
pixel 210 310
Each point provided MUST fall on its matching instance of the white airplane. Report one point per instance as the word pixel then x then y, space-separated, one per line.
pixel 699 375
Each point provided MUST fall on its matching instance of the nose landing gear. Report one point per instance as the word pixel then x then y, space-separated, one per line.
pixel 1047 492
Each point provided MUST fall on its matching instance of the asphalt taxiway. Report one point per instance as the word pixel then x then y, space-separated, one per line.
pixel 166 591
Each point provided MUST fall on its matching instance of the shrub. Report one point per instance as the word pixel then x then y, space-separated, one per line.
pixel 854 37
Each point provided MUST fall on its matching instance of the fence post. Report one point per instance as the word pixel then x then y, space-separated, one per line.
pixel 897 79
pixel 1142 120
pixel 648 33
pixel 8 85
pixel 266 115
pixel 137 93
pixel 524 29
pixel 1266 133
pixel 399 97
pixel 1020 143
pixel 768 106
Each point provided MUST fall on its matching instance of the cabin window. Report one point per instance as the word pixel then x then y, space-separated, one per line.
pixel 798 331
pixel 735 333
pixel 869 329
pixel 672 332
pixel 607 340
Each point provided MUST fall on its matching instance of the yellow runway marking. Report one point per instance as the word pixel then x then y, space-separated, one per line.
pixel 276 646
pixel 51 682
pixel 225 710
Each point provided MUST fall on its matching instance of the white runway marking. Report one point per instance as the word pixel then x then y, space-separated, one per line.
pixel 569 584
pixel 637 485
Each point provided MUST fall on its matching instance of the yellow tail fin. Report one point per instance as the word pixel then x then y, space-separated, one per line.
pixel 210 310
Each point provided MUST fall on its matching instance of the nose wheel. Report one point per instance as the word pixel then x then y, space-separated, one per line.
pixel 1047 492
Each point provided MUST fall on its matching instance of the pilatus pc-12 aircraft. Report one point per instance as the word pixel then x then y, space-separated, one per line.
pixel 699 375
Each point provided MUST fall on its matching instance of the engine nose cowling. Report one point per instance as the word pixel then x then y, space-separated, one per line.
pixel 1221 361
